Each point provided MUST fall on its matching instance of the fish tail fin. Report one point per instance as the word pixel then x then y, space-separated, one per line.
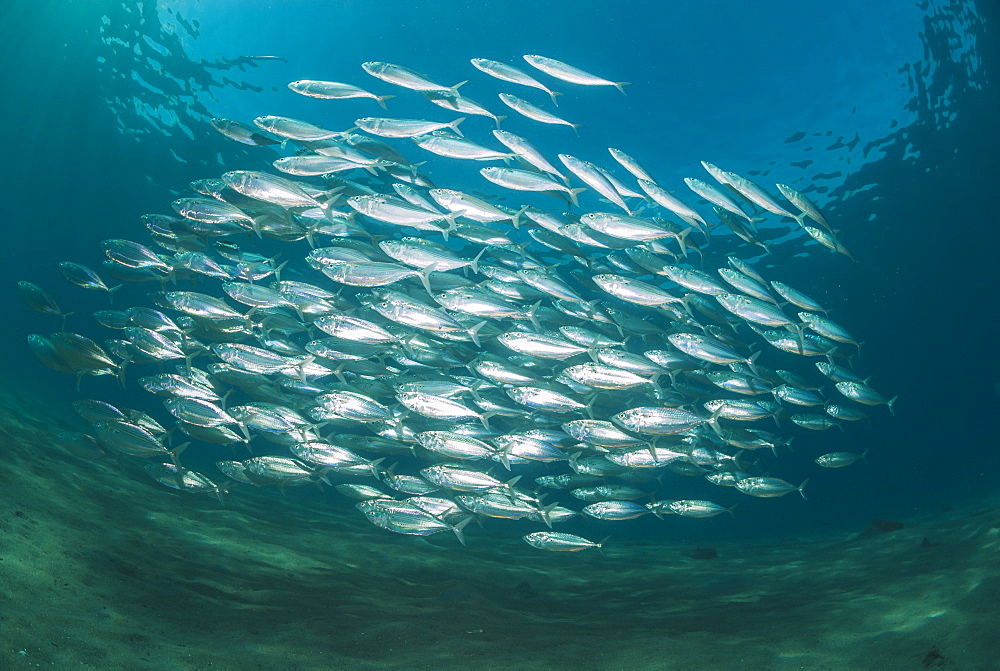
pixel 801 487
pixel 736 457
pixel 509 486
pixel 576 128
pixel 800 329
pixel 621 86
pixel 474 333
pixel 374 467
pixel 452 218
pixel 454 89
pixel 730 510
pixel 681 237
pixel 554 95
pixel 474 264
pixel 892 402
pixel 497 119
pixel 651 446
pixel 454 125
pixel 573 193
pixel 425 277
pixel 504 457
pixel 544 513
pixel 381 100
pixel 600 545
pixel 255 227
pixel 686 302
pixel 120 374
pixel 323 475
pixel 391 471
pixel 339 372
pixel 457 528
pixel 176 453
pixel 516 219
pixel 533 315
pixel 308 359
pixel 111 293
pixel 311 235
pixel 830 353
pixel 278 269
pixel 864 455
pixel 713 421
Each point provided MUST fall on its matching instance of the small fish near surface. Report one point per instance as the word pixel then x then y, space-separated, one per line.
pixel 554 338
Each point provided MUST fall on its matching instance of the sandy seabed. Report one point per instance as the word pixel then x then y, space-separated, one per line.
pixel 101 568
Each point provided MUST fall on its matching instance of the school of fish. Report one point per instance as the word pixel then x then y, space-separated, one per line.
pixel 436 355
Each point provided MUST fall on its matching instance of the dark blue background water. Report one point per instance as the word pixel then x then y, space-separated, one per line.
pixel 888 111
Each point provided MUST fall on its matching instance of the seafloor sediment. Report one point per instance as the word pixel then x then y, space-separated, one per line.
pixel 103 569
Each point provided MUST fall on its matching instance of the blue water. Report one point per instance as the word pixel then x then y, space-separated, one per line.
pixel 884 113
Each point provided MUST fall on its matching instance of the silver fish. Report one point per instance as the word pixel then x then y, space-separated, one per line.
pixel 625 227
pixel 615 510
pixel 796 297
pixel 568 73
pixel 554 541
pixel 407 518
pixel 657 421
pixel 334 91
pixel 533 112
pixel 294 129
pixel 769 487
pixel 528 153
pixel 509 73
pixel 839 459
pixel 524 180
pixel 404 127
pixel 713 195
pixel 804 204
pixel 241 132
pixel 452 146
pixel 699 509
pixel 862 393
pixel 405 77
pixel 595 178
